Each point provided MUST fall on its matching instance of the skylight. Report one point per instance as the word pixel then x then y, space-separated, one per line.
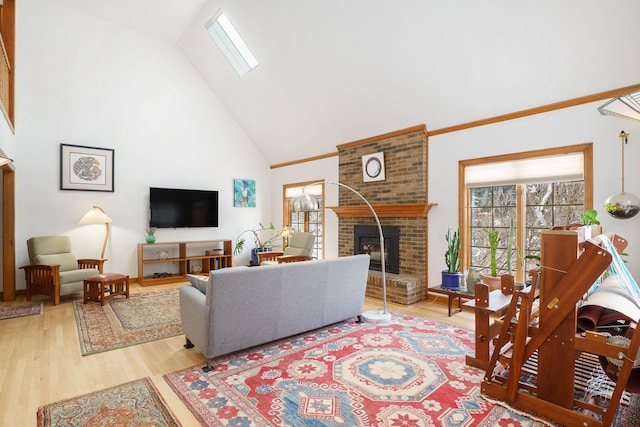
pixel 231 44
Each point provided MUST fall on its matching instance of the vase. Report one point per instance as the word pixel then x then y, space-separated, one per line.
pixel 451 280
pixel 150 238
pixel 473 277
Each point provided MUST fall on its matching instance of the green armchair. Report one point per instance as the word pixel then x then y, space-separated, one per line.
pixel 299 249
pixel 54 270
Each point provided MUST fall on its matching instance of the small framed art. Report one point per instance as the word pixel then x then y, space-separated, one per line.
pixel 373 167
pixel 244 193
pixel 86 168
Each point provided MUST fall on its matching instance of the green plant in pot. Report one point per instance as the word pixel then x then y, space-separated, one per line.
pixel 264 239
pixel 494 241
pixel 591 225
pixel 494 280
pixel 151 238
pixel 589 217
pixel 451 277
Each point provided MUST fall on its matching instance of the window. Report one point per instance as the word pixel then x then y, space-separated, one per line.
pixel 545 205
pixel 515 191
pixel 227 38
pixel 311 221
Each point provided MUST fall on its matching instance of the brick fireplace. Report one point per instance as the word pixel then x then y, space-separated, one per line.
pixel 400 201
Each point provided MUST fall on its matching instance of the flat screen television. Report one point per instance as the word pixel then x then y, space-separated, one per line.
pixel 178 208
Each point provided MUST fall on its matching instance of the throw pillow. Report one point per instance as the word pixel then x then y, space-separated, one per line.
pixel 199 282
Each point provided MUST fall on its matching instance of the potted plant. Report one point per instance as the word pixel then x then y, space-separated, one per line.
pixel 494 241
pixel 452 276
pixel 591 224
pixel 589 217
pixel 151 238
pixel 264 239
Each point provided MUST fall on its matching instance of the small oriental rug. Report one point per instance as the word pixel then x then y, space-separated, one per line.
pixel 136 403
pixel 20 310
pixel 122 322
pixel 409 373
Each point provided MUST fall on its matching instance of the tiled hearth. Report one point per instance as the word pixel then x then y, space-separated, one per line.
pixel 400 200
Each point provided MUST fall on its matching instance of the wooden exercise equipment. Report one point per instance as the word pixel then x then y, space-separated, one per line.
pixel 569 267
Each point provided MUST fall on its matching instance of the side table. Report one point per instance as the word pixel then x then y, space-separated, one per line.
pixel 102 287
pixel 461 293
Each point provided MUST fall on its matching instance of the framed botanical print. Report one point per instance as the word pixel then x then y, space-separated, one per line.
pixel 86 168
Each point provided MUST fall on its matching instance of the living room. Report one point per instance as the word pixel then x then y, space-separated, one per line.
pixel 92 78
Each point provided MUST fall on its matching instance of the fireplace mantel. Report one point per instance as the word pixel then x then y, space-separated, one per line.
pixel 400 210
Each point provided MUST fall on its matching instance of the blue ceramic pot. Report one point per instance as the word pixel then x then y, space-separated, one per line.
pixel 254 257
pixel 451 280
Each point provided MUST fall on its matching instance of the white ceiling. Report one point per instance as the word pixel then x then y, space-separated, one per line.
pixel 334 71
pixel 164 19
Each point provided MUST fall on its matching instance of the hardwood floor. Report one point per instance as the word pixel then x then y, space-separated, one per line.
pixel 41 360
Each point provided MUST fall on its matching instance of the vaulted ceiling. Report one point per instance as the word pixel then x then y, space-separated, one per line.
pixel 336 71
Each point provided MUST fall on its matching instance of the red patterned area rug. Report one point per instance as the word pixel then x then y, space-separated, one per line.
pixel 122 322
pixel 408 373
pixel 20 310
pixel 136 403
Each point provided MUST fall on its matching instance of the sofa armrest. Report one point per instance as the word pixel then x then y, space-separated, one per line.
pixel 92 263
pixel 194 313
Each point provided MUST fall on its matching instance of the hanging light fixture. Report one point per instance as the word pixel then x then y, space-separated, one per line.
pixel 625 106
pixel 622 205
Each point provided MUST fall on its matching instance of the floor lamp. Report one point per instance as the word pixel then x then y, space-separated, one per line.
pixel 96 215
pixel 306 202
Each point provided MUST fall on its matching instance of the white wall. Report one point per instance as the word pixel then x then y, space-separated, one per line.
pixel 87 82
pixel 576 125
pixel 569 126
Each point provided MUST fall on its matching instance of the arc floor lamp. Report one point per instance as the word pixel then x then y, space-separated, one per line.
pixel 306 202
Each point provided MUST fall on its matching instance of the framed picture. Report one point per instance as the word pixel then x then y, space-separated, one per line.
pixel 373 167
pixel 86 168
pixel 244 193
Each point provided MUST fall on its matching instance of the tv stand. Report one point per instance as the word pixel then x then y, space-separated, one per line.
pixel 169 262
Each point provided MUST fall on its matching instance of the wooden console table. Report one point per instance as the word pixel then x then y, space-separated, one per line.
pixel 172 261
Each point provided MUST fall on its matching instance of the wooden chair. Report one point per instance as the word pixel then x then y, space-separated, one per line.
pixel 54 270
pixel 299 249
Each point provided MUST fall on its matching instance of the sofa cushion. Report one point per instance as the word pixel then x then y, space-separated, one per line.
pixel 199 282
pixel 67 260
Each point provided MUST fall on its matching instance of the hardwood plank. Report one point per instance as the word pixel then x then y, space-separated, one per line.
pixel 42 362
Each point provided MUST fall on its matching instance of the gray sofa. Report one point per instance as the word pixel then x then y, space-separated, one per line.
pixel 247 306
